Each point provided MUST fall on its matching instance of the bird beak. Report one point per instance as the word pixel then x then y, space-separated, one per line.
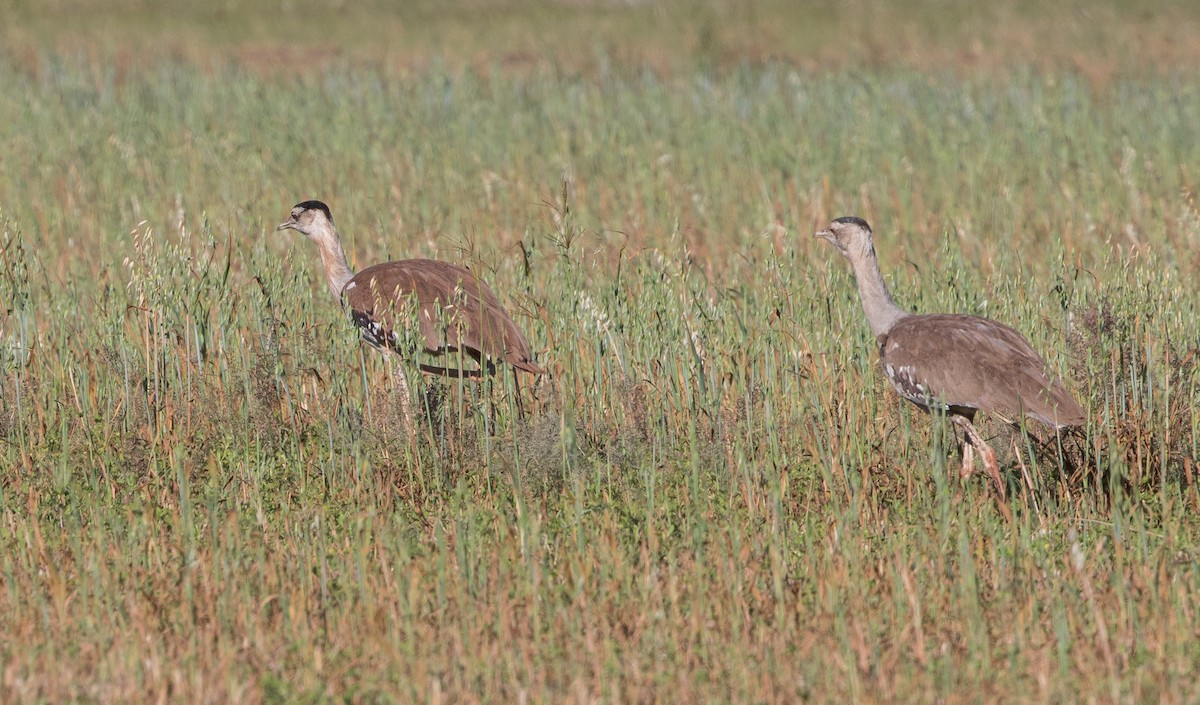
pixel 285 225
pixel 824 235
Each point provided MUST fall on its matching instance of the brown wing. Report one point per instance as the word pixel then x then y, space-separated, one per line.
pixel 454 310
pixel 971 363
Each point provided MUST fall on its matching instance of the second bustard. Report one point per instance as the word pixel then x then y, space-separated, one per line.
pixel 452 310
pixel 957 363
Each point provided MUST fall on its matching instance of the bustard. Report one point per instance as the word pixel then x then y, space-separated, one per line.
pixel 453 310
pixel 956 363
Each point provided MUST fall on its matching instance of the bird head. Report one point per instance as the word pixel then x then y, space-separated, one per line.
pixel 312 218
pixel 850 234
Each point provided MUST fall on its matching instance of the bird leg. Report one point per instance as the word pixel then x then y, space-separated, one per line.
pixel 968 458
pixel 975 442
pixel 517 392
pixel 402 390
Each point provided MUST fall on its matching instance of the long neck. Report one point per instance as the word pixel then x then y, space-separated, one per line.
pixel 333 259
pixel 881 311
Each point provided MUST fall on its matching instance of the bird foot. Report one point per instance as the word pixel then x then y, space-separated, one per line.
pixel 993 469
pixel 968 460
pixel 974 442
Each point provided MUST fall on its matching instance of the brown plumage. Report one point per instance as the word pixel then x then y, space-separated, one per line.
pixel 452 309
pixel 973 364
pixel 954 362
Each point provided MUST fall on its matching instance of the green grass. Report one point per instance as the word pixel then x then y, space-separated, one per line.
pixel 209 495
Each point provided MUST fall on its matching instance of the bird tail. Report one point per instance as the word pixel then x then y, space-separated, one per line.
pixel 526 366
pixel 1056 407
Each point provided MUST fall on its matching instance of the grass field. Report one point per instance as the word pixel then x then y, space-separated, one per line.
pixel 207 494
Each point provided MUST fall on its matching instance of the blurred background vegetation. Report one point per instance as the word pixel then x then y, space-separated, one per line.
pixel 1097 38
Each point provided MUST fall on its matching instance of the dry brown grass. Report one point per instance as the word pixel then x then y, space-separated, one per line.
pixel 207 493
pixel 1098 40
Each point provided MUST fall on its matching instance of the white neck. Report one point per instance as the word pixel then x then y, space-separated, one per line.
pixel 333 259
pixel 882 312
pixel 337 271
